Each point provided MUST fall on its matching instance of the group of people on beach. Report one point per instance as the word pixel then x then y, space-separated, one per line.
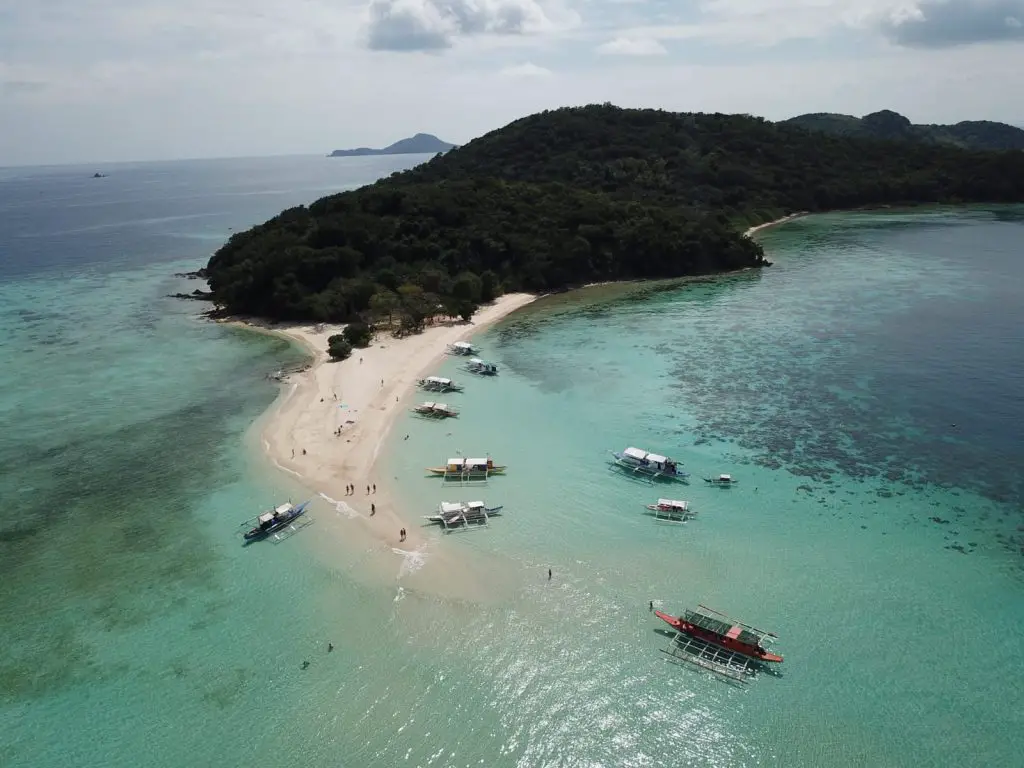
pixel 350 490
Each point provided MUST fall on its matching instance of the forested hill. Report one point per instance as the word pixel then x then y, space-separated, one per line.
pixel 970 134
pixel 572 196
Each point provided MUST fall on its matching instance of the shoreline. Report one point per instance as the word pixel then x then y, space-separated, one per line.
pixel 751 231
pixel 362 395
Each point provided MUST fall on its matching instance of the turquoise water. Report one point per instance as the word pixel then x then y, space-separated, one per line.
pixel 137 631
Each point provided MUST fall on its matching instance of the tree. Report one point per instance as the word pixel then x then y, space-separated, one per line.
pixel 358 334
pixel 467 287
pixel 384 304
pixel 489 287
pixel 337 347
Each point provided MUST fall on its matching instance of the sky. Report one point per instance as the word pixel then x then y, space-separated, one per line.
pixel 109 80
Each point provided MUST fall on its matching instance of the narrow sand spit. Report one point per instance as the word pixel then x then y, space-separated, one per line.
pixel 750 232
pixel 362 396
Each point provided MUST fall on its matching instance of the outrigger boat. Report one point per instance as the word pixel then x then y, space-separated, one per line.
pixel 718 629
pixel 438 384
pixel 467 469
pixel 265 524
pixel 726 481
pixel 463 514
pixel 673 510
pixel 435 410
pixel 462 348
pixel 652 465
pixel 481 367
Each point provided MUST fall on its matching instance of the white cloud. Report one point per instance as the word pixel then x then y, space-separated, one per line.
pixel 527 69
pixel 430 25
pixel 633 46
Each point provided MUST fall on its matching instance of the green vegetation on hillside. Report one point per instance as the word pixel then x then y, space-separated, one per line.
pixel 572 196
pixel 892 126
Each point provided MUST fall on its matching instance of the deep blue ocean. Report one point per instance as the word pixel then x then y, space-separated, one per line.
pixel 867 390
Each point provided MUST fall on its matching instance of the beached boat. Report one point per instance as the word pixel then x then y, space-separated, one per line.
pixel 725 481
pixel 461 348
pixel 274 520
pixel 652 465
pixel 718 629
pixel 463 514
pixel 435 410
pixel 467 470
pixel 481 367
pixel 438 384
pixel 672 509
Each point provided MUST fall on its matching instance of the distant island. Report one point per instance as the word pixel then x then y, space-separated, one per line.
pixel 892 126
pixel 421 143
pixel 572 196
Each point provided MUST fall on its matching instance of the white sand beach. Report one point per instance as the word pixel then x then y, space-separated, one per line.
pixel 362 395
pixel 753 230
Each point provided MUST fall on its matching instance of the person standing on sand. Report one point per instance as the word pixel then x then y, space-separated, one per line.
pixel 549 574
pixel 367 490
pixel 374 487
pixel 373 510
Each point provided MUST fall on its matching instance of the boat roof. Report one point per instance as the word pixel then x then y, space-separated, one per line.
pixel 477 461
pixel 729 628
pixel 266 517
pixel 725 477
pixel 476 360
pixel 284 508
pixel 656 458
pixel 462 345
pixel 635 453
pixel 475 505
pixel 439 406
pixel 439 380
pixel 427 404
pixel 457 460
pixel 672 503
pixel 450 506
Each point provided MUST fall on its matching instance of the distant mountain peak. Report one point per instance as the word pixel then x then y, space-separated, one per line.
pixel 421 143
pixel 889 125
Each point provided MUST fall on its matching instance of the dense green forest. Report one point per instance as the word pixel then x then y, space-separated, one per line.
pixel 572 196
pixel 889 125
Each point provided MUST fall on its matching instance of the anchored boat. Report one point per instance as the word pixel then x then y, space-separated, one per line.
pixel 718 629
pixel 462 348
pixel 438 384
pixel 463 514
pixel 725 481
pixel 673 510
pixel 652 465
pixel 481 367
pixel 467 470
pixel 435 410
pixel 276 519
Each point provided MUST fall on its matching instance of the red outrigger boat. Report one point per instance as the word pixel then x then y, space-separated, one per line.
pixel 722 631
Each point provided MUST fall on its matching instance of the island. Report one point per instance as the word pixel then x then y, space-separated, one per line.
pixel 892 126
pixel 573 196
pixel 420 144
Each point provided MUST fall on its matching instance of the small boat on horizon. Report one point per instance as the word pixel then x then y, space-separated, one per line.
pixel 467 470
pixel 673 510
pixel 724 481
pixel 652 465
pixel 481 367
pixel 272 521
pixel 435 410
pixel 461 348
pixel 438 384
pixel 718 629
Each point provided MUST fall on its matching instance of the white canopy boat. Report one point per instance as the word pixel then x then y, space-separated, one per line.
pixel 462 348
pixel 652 465
pixel 438 384
pixel 726 481
pixel 673 510
pixel 456 514
pixel 467 470
pixel 435 410
pixel 481 367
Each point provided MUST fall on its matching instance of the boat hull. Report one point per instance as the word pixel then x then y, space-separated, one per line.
pixel 653 473
pixel 745 649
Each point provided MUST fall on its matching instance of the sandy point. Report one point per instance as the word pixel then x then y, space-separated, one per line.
pixel 754 230
pixel 329 425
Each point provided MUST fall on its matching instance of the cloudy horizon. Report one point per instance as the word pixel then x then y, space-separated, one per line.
pixel 113 80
